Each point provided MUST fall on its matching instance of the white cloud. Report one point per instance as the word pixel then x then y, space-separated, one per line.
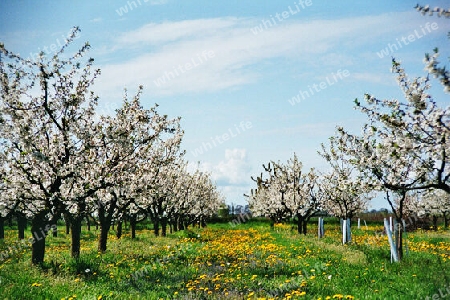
pixel 384 79
pixel 233 170
pixel 155 33
pixel 164 47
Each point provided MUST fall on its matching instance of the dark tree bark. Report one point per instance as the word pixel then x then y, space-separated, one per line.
pixel 88 222
pixel 180 223
pixel 104 219
pixel 55 230
pixel 38 246
pixel 174 225
pixel 156 227
pixel 67 221
pixel 305 225
pixel 163 226
pixel 75 228
pixel 435 223
pixel 133 226
pixel 119 229
pixel 398 232
pixel 446 217
pixel 301 224
pixel 2 228
pixel 103 238
pixel 202 222
pixel 21 225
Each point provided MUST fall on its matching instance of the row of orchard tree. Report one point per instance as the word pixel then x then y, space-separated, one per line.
pixel 403 152
pixel 59 159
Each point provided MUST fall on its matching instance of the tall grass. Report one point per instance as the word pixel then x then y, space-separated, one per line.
pixel 247 261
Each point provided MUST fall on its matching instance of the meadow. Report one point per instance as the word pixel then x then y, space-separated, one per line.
pixel 247 261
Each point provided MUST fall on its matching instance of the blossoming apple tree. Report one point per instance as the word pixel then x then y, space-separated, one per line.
pixel 143 138
pixel 404 146
pixel 48 111
pixel 57 157
pixel 287 192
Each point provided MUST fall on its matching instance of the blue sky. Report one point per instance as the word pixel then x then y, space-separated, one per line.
pixel 253 81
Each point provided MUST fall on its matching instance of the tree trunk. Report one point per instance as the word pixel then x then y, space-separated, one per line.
pixel 55 228
pixel 180 223
pixel 38 245
pixel 103 238
pixel 88 223
pixel 156 227
pixel 435 223
pixel 67 221
pixel 105 225
pixel 54 225
pixel 164 226
pixel 398 232
pixel 175 225
pixel 119 229
pixel 349 229
pixel 302 224
pixel 445 220
pixel 305 224
pixel 75 228
pixel 2 228
pixel 133 226
pixel 21 224
pixel 299 224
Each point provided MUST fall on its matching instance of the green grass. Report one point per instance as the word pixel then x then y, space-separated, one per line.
pixel 248 261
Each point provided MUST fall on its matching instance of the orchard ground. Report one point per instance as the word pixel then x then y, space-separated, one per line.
pixel 247 261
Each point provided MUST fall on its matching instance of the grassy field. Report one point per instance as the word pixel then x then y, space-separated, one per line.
pixel 248 261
